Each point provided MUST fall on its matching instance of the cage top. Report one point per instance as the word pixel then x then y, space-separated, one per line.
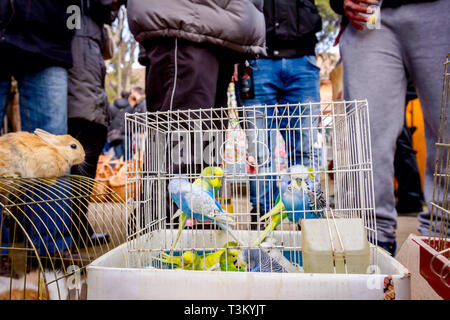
pixel 19 192
pixel 217 118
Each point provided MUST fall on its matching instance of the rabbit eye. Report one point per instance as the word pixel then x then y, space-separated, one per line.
pixel 73 146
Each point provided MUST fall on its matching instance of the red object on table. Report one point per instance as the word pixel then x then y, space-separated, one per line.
pixel 435 267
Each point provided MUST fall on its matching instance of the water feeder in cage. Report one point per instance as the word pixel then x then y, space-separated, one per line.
pixel 335 246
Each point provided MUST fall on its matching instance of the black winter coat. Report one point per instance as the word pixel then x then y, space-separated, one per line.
pixel 36 31
pixel 117 112
pixel 291 26
pixel 140 107
pixel 86 96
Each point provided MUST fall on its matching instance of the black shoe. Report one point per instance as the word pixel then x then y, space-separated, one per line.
pixel 390 247
pixel 412 205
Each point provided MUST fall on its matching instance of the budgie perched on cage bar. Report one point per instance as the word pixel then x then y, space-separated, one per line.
pixel 300 197
pixel 199 203
pixel 210 180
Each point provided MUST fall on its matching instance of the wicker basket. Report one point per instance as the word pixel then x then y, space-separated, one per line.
pixel 100 190
pixel 111 175
pixel 118 184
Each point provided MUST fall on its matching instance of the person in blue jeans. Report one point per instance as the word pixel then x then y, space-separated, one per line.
pixel 287 77
pixel 35 49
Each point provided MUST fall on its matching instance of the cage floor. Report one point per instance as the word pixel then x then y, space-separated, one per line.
pixel 108 273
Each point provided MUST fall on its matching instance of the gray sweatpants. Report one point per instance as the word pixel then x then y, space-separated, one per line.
pixel 413 38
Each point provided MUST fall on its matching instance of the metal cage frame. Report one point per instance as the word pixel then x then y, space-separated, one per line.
pixel 345 131
pixel 438 238
pixel 42 221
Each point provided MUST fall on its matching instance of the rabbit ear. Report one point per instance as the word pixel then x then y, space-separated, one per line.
pixel 47 137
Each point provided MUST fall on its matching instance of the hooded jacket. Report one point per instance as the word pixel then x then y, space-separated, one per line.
pixel 118 104
pixel 235 24
pixel 117 111
pixel 86 94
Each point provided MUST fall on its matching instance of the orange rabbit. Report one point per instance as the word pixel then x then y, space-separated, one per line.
pixel 38 155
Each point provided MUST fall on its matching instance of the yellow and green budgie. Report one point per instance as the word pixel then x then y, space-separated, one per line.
pixel 223 260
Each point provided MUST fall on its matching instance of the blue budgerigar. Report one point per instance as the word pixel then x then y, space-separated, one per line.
pixel 316 199
pixel 257 260
pixel 210 180
pixel 199 203
pixel 300 197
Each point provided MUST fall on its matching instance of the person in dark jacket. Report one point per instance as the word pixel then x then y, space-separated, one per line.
pixel 88 108
pixel 189 49
pixel 137 97
pixel 137 104
pixel 409 190
pixel 207 38
pixel 116 133
pixel 288 74
pixel 114 107
pixel 35 51
pixel 413 39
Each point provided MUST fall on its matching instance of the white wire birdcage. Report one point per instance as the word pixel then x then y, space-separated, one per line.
pixel 327 144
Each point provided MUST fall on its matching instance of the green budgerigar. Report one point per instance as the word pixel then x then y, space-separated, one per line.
pixel 230 261
pixel 189 260
pixel 226 259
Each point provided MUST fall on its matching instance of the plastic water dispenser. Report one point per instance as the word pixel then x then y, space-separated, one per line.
pixel 335 246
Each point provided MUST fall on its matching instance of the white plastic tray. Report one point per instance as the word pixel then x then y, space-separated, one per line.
pixel 113 276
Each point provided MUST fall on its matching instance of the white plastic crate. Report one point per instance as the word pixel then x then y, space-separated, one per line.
pixel 121 274
pixel 165 144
